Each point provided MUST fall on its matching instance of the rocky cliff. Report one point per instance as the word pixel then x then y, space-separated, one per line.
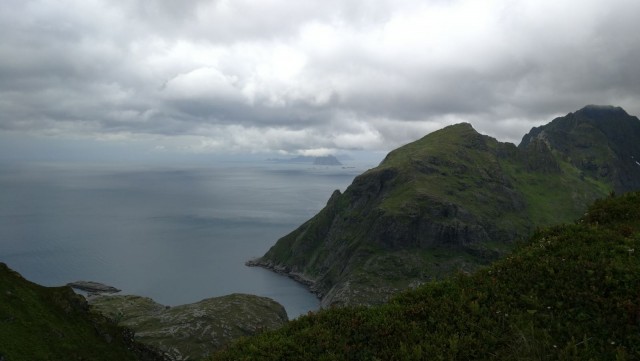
pixel 600 141
pixel 456 199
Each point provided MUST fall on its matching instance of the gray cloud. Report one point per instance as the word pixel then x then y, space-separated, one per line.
pixel 308 76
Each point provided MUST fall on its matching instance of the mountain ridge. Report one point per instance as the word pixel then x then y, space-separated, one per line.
pixel 454 199
pixel 580 136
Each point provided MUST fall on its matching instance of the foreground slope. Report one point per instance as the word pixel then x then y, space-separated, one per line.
pixel 456 199
pixel 570 293
pixel 53 323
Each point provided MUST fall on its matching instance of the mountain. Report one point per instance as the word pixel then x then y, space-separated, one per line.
pixel 456 199
pixel 569 293
pixel 298 159
pixel 601 141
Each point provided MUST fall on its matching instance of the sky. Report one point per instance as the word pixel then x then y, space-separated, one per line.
pixel 302 77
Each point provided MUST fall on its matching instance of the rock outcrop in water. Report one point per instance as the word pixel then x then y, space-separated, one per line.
pixel 93 287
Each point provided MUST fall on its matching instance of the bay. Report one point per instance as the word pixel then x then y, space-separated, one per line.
pixel 176 234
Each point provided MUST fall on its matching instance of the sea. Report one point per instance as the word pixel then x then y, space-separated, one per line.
pixel 177 234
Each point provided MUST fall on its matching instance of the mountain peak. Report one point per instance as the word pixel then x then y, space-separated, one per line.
pixel 598 112
pixel 460 127
pixel 440 143
pixel 607 119
pixel 459 131
pixel 599 140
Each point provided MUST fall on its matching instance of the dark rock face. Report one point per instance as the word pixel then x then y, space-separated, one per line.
pixel 538 157
pixel 455 199
pixel 601 141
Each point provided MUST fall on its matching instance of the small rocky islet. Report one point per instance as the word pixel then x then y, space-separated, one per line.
pixel 92 287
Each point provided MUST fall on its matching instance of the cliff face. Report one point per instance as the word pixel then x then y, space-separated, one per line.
pixel 600 141
pixel 455 199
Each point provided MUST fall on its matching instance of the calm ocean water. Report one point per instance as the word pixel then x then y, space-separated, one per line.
pixel 176 234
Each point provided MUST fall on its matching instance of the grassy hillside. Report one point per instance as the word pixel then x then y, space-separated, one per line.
pixel 43 323
pixel 453 200
pixel 571 293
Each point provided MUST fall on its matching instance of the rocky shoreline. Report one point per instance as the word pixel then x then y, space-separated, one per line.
pixel 309 283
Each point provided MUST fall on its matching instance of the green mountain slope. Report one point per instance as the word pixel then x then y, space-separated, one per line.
pixel 571 293
pixel 43 323
pixel 455 199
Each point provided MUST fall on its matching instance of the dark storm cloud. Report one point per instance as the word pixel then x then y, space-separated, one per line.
pixel 308 76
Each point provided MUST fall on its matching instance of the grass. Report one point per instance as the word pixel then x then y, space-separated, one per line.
pixel 571 293
pixel 42 323
pixel 555 198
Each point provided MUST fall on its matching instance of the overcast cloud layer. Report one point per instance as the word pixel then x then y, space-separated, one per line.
pixel 308 77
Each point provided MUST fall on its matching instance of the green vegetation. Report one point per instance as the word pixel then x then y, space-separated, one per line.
pixel 559 197
pixel 570 293
pixel 453 201
pixel 42 323
pixel 460 195
pixel 196 330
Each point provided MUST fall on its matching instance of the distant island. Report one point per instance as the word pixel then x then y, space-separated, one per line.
pixel 323 160
pixel 326 160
